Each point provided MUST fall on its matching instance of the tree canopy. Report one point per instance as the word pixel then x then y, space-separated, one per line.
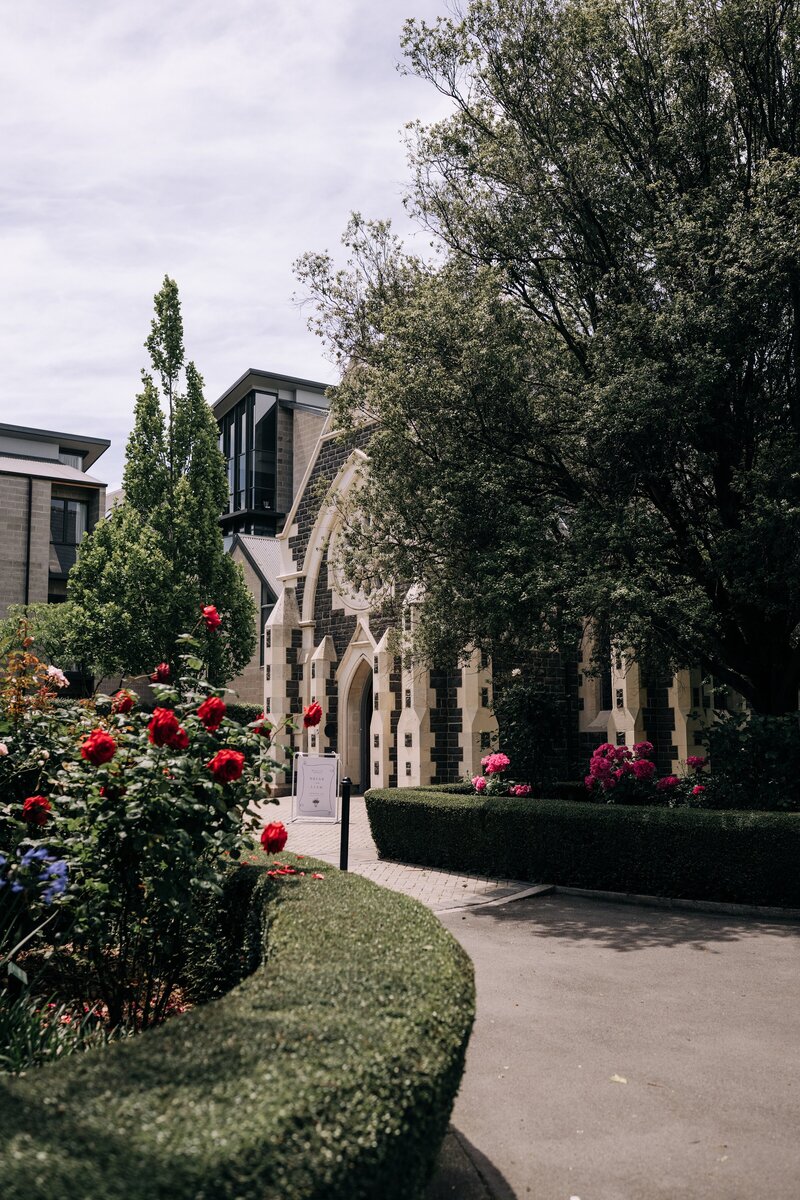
pixel 145 572
pixel 588 408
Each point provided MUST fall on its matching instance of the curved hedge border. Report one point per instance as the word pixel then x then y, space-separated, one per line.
pixel 328 1073
pixel 692 854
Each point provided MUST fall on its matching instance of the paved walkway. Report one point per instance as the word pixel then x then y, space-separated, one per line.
pixel 440 890
pixel 619 1052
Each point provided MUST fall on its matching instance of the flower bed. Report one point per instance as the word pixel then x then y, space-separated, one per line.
pixel 328 1071
pixel 694 854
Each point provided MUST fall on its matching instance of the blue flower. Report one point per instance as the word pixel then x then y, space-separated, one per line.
pixel 35 854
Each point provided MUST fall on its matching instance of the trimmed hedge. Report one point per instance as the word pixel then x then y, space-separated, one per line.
pixel 692 854
pixel 329 1072
pixel 243 713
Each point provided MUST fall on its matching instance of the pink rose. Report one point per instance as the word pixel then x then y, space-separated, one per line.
pixel 479 783
pixel 698 789
pixel 643 749
pixel 667 783
pixel 696 762
pixel 600 768
pixel 643 768
pixel 495 764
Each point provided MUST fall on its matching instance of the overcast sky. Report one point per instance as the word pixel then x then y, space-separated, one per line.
pixel 212 140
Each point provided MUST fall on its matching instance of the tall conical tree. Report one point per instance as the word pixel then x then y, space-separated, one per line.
pixel 144 574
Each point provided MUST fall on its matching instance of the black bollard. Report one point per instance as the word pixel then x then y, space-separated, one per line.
pixel 345 845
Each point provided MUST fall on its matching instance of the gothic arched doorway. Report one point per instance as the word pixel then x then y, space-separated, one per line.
pixel 356 755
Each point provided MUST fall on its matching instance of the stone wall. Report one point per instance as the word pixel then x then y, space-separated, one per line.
pixel 446 725
pixel 249 685
pixel 13 540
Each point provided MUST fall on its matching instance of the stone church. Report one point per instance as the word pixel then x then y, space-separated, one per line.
pixel 392 720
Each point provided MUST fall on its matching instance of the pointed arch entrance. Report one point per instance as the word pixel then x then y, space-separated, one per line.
pixel 357 711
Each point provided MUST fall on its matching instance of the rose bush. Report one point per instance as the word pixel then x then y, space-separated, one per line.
pixel 494 781
pixel 619 775
pixel 146 811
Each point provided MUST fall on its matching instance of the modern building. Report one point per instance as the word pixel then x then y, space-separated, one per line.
pixel 269 425
pixel 47 501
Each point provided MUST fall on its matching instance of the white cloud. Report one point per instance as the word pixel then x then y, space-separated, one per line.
pixel 214 141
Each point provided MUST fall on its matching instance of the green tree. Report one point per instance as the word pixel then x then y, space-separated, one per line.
pixel 591 410
pixel 146 571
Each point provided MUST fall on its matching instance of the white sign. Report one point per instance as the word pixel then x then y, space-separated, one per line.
pixel 315 794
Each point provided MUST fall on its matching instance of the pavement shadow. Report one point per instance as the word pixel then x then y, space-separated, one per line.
pixel 626 927
pixel 464 1173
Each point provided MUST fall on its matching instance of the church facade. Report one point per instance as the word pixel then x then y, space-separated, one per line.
pixel 393 720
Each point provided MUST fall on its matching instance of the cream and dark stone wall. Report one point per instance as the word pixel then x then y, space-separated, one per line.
pixel 325 644
pixel 249 685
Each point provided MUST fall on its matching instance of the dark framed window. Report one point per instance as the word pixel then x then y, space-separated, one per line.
pixel 69 520
pixel 248 440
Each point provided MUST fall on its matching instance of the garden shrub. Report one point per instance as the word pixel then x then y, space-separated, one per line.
pixel 755 762
pixel 131 813
pixel 328 1073
pixel 244 714
pixel 695 854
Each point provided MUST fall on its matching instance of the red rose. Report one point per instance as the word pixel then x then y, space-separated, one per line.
pixel 179 740
pixel 123 701
pixel 36 810
pixel 161 673
pixel 273 839
pixel 211 712
pixel 163 727
pixel 99 747
pixel 226 765
pixel 312 715
pixel 211 617
pixel 263 726
pixel 112 792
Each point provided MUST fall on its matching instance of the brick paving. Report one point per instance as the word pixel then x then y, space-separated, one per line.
pixel 439 890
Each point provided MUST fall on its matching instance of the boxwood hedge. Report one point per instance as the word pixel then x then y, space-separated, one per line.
pixel 329 1071
pixel 738 857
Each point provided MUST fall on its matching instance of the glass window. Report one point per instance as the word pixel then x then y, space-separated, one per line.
pixel 69 520
pixel 57 521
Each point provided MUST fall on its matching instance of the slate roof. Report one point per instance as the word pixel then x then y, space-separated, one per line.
pixel 265 555
pixel 42 468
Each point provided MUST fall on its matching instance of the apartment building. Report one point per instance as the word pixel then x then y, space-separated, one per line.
pixel 48 500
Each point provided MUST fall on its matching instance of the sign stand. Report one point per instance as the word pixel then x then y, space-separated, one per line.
pixel 315 787
pixel 344 845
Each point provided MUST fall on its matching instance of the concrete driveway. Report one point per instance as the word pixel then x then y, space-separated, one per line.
pixel 626 1053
